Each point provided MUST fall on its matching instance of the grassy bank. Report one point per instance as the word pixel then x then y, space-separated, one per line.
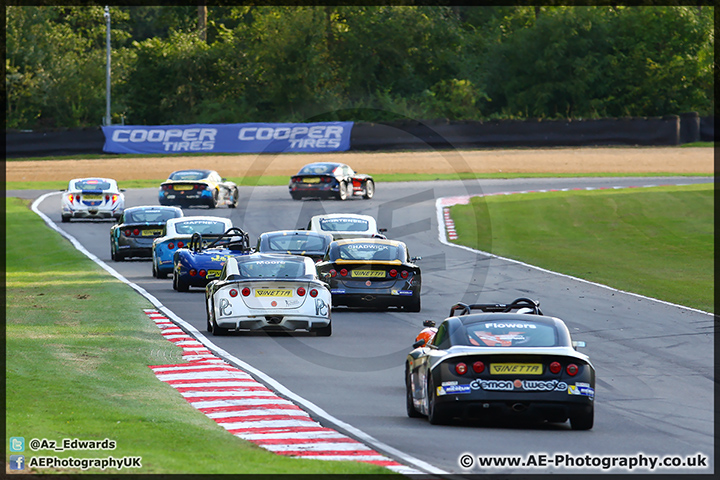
pixel 278 180
pixel 657 242
pixel 78 346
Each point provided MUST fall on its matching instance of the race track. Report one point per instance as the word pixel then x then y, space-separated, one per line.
pixel 654 361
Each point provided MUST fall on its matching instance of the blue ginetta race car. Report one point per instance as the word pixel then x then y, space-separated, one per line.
pixel 201 262
pixel 177 233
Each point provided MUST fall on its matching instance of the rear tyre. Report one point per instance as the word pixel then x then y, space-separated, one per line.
pixel 180 284
pixel 112 251
pixel 324 331
pixel 159 274
pixel 234 202
pixel 218 331
pixel 436 415
pixel 213 200
pixel 583 420
pixel 414 305
pixel 342 191
pixel 65 219
pixel 369 189
pixel 295 196
pixel 409 406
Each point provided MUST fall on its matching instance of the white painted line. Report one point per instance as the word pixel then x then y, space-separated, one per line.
pixel 442 203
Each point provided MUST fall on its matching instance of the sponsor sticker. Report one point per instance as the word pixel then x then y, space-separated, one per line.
pixel 311 180
pixel 151 233
pixel 453 389
pixel 516 369
pixel 368 273
pixel 581 389
pixel 90 196
pixel 337 290
pixel 182 187
pixel 213 274
pixel 275 292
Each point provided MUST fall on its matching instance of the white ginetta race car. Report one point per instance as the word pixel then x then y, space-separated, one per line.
pixel 272 292
pixel 92 198
pixel 346 225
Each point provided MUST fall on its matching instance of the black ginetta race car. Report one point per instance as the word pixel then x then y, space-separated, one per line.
pixel 371 272
pixel 198 187
pixel 330 180
pixel 508 359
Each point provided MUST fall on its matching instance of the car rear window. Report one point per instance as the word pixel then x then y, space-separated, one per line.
pixel 93 184
pixel 150 216
pixel 316 169
pixel 204 227
pixel 344 225
pixel 273 269
pixel 188 175
pixel 296 243
pixel 369 251
pixel 511 333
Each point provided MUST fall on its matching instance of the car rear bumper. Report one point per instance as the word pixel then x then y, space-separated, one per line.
pixel 273 321
pixel 372 298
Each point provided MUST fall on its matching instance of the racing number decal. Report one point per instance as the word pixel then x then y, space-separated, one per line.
pixel 224 307
pixel 321 308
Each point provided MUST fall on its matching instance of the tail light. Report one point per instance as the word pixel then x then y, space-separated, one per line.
pixel 107 198
pixel 461 368
pixel 343 272
pixel 192 272
pixel 393 273
pixel 171 246
pixel 233 292
pixel 327 179
pixel 167 187
pixel 555 367
pixel 478 367
pixel 181 244
pixel 246 292
pixel 115 197
pixel 333 273
pixel 313 293
pixel 71 198
pixel 128 232
pixel 572 369
pixel 202 273
pixel 301 291
pixel 136 232
pixel 404 274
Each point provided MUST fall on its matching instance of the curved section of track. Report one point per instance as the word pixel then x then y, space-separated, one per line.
pixel 654 360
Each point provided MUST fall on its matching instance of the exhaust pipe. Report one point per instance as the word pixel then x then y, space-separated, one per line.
pixel 368 298
pixel 274 320
pixel 519 407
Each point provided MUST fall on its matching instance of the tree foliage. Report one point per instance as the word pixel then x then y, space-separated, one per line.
pixel 362 63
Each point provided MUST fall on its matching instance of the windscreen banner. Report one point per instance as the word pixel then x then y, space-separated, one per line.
pixel 229 138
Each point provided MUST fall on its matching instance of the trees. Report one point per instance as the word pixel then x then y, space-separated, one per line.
pixel 283 63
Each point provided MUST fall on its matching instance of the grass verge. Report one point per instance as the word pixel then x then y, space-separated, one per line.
pixel 657 241
pixel 78 347
pixel 278 180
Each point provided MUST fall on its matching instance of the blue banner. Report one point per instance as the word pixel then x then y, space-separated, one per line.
pixel 229 138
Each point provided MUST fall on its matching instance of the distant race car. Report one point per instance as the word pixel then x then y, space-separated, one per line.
pixel 136 229
pixel 508 359
pixel 198 187
pixel 268 292
pixel 346 225
pixel 330 180
pixel 295 242
pixel 92 198
pixel 199 262
pixel 371 273
pixel 177 234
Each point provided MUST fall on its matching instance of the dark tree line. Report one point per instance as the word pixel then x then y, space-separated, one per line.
pixel 232 64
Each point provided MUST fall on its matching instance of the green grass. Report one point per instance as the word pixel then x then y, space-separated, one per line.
pixel 78 349
pixel 276 180
pixel 657 241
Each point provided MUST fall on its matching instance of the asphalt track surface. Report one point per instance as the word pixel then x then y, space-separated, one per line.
pixel 654 360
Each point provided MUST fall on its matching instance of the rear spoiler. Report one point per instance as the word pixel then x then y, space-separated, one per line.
pixel 533 307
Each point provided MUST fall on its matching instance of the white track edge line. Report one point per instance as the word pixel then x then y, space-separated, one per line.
pixel 442 237
pixel 275 385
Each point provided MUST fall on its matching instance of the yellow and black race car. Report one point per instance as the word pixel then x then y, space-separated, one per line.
pixel 198 187
pixel 371 272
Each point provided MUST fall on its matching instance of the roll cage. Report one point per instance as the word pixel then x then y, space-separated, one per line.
pixel 228 239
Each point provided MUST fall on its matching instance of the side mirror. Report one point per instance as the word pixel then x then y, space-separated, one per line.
pixel 123 189
pixel 578 344
pixel 428 323
pixel 382 230
pixel 415 259
pixel 419 343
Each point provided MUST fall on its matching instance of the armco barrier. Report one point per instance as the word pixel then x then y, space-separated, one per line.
pixel 409 135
